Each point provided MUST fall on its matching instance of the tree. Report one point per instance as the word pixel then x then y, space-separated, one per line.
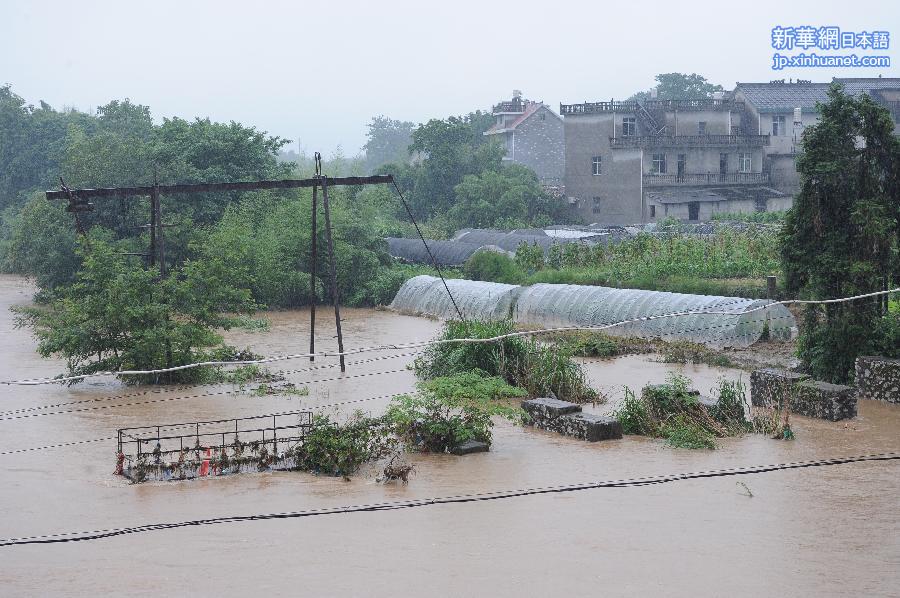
pixel 388 142
pixel 841 236
pixel 118 316
pixel 679 86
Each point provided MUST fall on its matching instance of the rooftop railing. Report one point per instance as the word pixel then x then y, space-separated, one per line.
pixel 598 107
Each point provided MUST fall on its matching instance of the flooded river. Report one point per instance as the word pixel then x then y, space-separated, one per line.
pixel 820 531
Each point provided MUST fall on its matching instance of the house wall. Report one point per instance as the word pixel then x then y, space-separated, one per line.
pixel 783 173
pixel 540 144
pixel 707 209
pixel 617 189
pixel 703 160
pixel 718 122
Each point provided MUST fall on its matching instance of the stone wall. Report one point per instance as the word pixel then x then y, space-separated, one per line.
pixel 775 388
pixel 878 378
pixel 567 419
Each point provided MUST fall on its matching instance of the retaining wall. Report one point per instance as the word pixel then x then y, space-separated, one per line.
pixel 776 388
pixel 567 419
pixel 878 378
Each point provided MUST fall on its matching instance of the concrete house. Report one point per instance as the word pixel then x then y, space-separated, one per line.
pixel 783 109
pixel 630 162
pixel 532 135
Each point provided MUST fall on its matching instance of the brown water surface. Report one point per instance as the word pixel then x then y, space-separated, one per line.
pixel 821 531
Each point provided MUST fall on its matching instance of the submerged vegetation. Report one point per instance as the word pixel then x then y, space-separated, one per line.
pixel 676 413
pixel 542 370
pixel 449 411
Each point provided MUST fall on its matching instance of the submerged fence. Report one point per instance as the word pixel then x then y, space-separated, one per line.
pixel 560 305
pixel 217 447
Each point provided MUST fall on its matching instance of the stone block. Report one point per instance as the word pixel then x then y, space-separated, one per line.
pixel 548 408
pixel 769 387
pixel 878 378
pixel 587 426
pixel 470 446
pixel 823 400
pixel 568 419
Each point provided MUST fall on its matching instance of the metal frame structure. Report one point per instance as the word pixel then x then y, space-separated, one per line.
pixel 78 201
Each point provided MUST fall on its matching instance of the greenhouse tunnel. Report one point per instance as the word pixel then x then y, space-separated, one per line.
pixel 561 305
pixel 426 295
pixel 446 253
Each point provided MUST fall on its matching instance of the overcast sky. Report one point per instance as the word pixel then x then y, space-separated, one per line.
pixel 318 71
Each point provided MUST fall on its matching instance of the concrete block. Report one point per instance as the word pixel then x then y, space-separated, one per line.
pixel 568 419
pixel 548 408
pixel 823 400
pixel 878 378
pixel 470 446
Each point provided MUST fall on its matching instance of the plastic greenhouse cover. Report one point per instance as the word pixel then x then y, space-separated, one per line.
pixel 559 305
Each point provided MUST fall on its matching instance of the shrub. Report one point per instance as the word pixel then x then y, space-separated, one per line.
pixel 674 412
pixel 540 370
pixel 336 449
pixel 493 266
pixel 451 410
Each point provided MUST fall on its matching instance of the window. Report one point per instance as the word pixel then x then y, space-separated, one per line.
pixel 744 162
pixel 723 163
pixel 629 126
pixel 659 164
pixel 596 207
pixel 701 127
pixel 682 161
pixel 597 165
pixel 777 125
pixel 542 116
pixel 653 211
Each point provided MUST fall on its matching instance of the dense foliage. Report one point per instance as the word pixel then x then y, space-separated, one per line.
pixel 449 411
pixel 341 448
pixel 542 370
pixel 680 86
pixel 119 316
pixel 841 237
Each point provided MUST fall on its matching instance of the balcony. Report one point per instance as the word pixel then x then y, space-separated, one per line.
pixel 689 140
pixel 711 178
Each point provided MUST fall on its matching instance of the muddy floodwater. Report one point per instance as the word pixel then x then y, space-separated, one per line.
pixel 808 532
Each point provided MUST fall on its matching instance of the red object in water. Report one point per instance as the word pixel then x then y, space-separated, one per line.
pixel 204 467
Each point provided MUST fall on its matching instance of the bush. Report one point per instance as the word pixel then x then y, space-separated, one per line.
pixel 331 448
pixel 451 410
pixel 540 370
pixel 673 411
pixel 494 267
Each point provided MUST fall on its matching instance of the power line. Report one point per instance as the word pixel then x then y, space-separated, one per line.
pixel 65 537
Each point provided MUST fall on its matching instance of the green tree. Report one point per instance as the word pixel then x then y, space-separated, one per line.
pixel 388 141
pixel 119 316
pixel 679 86
pixel 840 238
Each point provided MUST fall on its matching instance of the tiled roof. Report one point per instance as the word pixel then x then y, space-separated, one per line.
pixel 530 108
pixel 783 97
pixel 855 85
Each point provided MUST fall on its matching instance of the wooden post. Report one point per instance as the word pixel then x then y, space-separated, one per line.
pixel 160 240
pixel 334 286
pixel 312 276
pixel 153 199
pixel 771 289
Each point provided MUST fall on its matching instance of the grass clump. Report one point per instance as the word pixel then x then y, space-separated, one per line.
pixel 540 370
pixel 451 410
pixel 674 412
pixel 598 344
pixel 688 352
